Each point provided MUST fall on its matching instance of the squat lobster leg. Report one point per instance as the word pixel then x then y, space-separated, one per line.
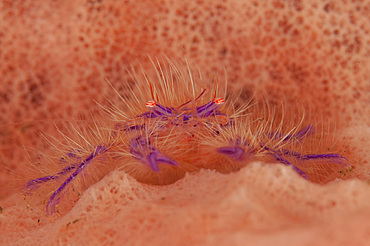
pixel 77 167
pixel 141 149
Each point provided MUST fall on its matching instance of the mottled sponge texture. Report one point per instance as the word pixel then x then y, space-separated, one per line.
pixel 55 57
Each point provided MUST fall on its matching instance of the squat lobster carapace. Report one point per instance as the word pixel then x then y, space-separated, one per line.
pixel 164 135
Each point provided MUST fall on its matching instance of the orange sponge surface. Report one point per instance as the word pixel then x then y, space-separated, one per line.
pixel 55 56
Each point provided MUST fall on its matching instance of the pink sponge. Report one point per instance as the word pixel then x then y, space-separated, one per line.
pixel 260 204
pixel 309 52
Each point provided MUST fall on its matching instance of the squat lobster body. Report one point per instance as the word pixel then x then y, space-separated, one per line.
pixel 159 143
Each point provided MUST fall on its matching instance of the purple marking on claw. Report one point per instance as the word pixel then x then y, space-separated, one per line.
pixel 232 152
pixel 279 158
pixel 142 150
pixel 165 159
pixel 160 110
pixel 204 107
pixel 55 197
pixel 286 162
pixel 164 110
pixel 323 156
pixel 208 109
pixel 336 158
pixel 152 162
pixel 35 184
pixel 332 157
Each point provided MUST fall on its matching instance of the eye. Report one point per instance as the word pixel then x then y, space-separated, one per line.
pixel 219 101
pixel 150 104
